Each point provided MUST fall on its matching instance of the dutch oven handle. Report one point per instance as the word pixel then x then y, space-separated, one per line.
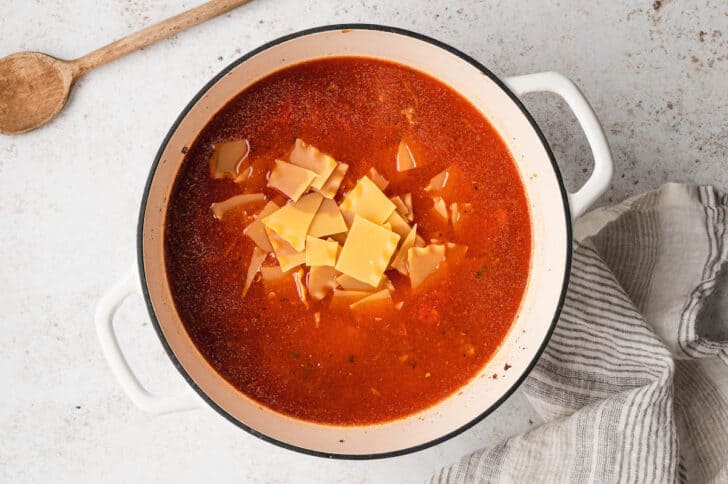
pixel 559 84
pixel 142 398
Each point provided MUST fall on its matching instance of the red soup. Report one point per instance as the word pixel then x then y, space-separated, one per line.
pixel 348 241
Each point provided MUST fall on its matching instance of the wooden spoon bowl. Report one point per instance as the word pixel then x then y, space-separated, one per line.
pixel 33 89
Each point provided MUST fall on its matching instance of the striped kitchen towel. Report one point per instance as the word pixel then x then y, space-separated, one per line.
pixel 633 386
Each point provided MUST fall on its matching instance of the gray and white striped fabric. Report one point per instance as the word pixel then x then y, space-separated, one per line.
pixel 633 386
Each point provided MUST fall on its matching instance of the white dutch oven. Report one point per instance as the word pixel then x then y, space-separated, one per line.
pixel 552 210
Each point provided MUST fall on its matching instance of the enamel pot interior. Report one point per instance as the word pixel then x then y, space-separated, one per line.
pixel 549 259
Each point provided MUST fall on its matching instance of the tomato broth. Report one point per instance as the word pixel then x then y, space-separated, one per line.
pixel 312 360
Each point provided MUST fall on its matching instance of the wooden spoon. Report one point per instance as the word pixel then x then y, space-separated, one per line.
pixel 34 87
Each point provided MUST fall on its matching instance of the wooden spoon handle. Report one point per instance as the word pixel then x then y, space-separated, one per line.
pixel 153 33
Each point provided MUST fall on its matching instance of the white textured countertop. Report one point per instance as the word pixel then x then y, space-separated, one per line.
pixel 656 74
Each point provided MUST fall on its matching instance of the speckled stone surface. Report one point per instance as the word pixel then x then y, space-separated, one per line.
pixel 656 73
